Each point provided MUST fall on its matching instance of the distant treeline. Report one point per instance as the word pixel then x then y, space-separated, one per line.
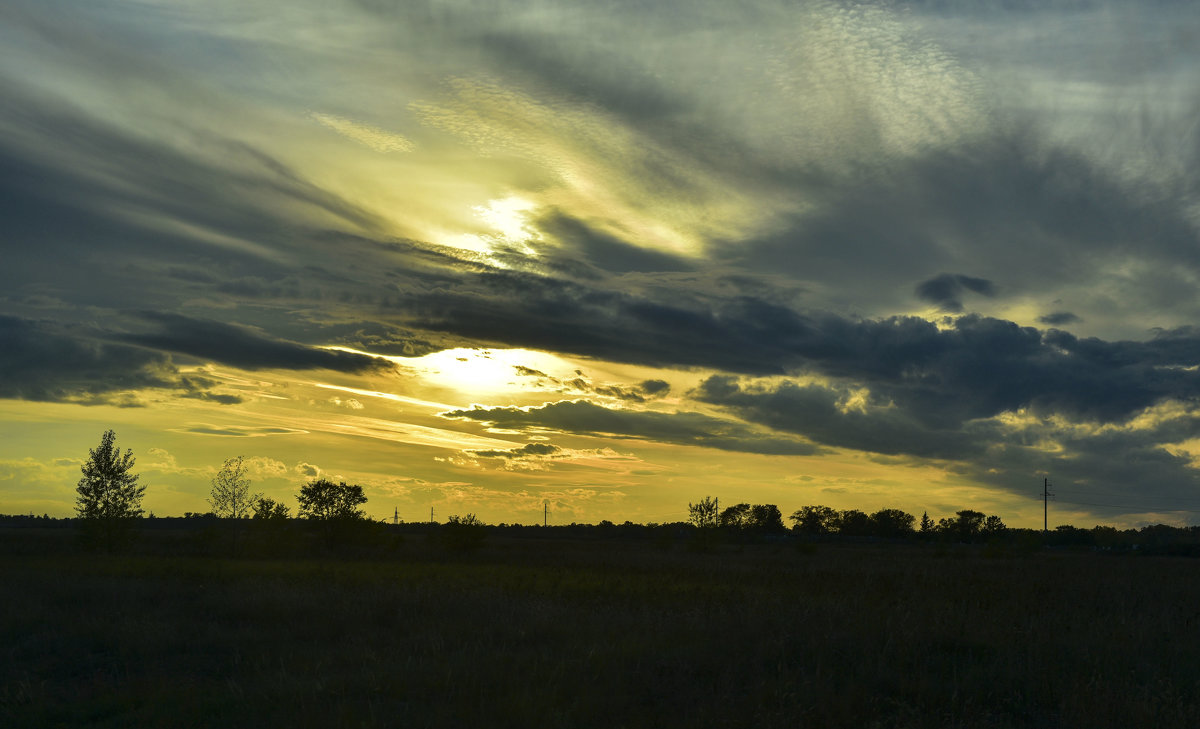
pixel 741 525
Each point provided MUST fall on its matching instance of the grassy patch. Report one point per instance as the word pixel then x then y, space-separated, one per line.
pixel 602 634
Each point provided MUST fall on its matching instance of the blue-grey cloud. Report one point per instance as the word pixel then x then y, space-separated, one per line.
pixel 1058 318
pixel 946 290
pixel 45 361
pixel 242 347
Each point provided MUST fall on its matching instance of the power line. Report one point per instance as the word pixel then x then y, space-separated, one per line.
pixel 1183 500
pixel 1132 508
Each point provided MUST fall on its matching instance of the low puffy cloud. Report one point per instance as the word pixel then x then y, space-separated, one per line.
pixel 525 451
pixel 655 388
pixel 307 470
pixel 263 467
pixel 685 428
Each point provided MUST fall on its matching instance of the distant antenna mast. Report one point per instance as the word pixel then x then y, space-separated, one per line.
pixel 546 512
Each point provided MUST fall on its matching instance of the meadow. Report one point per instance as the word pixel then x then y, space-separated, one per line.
pixel 599 633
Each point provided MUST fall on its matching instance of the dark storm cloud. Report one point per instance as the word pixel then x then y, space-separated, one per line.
pixel 39 362
pixel 1124 468
pixel 521 309
pixel 684 428
pixel 981 367
pixel 818 413
pixel 947 289
pixel 48 362
pixel 1029 216
pixel 242 347
pixel 1128 466
pixel 1058 318
pixel 655 388
pixel 977 367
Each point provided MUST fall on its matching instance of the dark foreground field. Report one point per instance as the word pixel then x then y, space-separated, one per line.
pixel 532 633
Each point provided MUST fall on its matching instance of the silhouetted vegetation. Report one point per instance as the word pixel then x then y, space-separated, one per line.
pixel 109 496
pixel 704 515
pixel 862 620
pixel 230 497
pixel 324 500
pixel 269 510
pixel 463 533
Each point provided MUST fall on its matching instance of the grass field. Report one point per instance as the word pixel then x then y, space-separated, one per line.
pixel 555 633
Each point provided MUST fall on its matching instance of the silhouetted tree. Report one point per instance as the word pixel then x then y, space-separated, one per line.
pixel 891 523
pixel 853 523
pixel 764 518
pixel 463 533
pixel 965 526
pixel 734 516
pixel 993 527
pixel 324 500
pixel 704 514
pixel 230 496
pixel 268 509
pixel 108 489
pixel 109 496
pixel 814 520
pixel 927 525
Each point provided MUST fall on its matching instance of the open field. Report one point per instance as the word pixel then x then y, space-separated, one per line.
pixel 558 633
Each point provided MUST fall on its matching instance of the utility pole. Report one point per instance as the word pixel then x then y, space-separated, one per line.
pixel 546 512
pixel 1045 505
pixel 431 515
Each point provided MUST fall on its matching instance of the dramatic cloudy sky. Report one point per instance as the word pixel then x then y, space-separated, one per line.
pixel 610 255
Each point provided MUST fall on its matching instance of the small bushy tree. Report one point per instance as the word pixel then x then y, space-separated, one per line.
pixel 993 527
pixel 324 500
pixel 704 515
pixel 735 516
pixel 463 533
pixel 269 510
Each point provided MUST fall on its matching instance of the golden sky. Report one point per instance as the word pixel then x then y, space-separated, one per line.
pixel 613 257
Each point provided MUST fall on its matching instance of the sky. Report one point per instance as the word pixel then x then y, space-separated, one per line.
pixel 606 258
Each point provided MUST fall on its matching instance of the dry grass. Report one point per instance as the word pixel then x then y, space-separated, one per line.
pixel 553 634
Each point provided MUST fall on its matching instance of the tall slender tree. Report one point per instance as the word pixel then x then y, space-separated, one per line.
pixel 230 497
